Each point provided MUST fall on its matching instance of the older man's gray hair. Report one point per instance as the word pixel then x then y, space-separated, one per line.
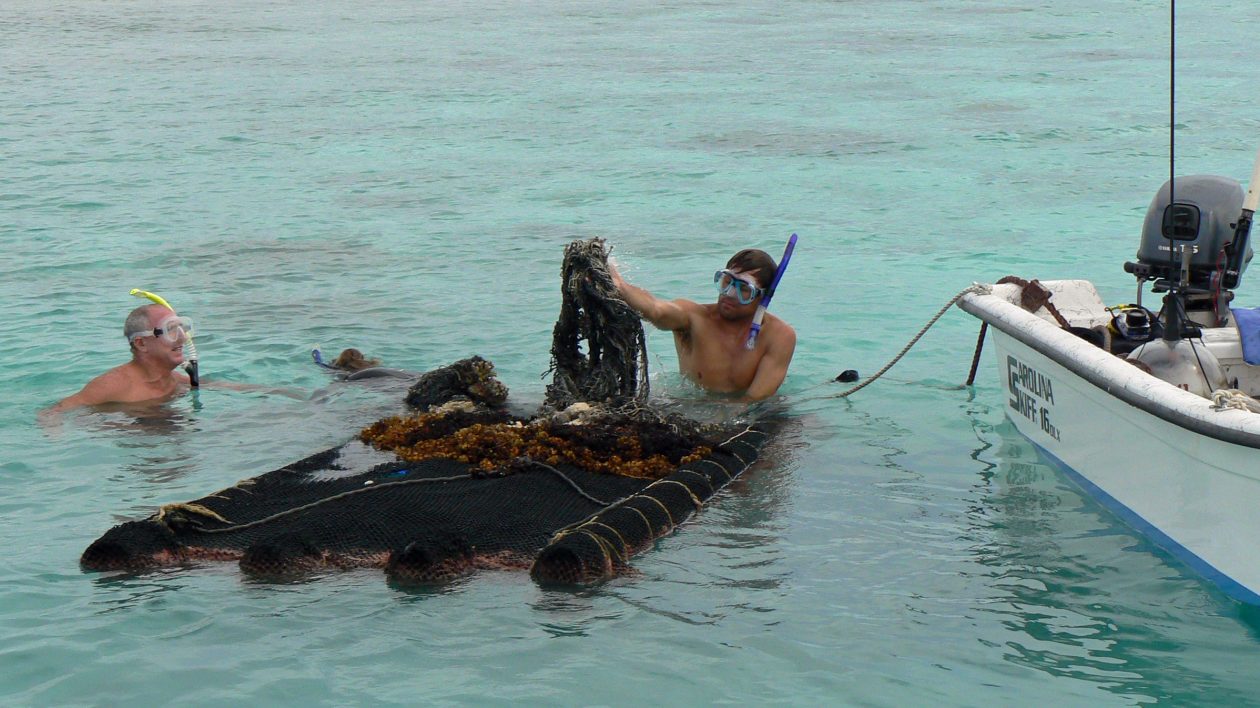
pixel 138 322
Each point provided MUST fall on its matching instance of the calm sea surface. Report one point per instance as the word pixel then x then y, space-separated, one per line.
pixel 402 177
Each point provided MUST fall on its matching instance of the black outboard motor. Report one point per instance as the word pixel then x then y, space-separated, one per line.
pixel 1203 219
pixel 1195 247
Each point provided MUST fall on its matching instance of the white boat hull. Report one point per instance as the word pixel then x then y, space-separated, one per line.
pixel 1172 466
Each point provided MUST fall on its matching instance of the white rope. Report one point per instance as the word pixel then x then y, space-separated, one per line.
pixel 1232 399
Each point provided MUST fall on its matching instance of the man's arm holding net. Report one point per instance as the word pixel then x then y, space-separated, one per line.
pixel 664 314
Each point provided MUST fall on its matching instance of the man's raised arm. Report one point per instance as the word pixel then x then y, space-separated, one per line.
pixel 662 313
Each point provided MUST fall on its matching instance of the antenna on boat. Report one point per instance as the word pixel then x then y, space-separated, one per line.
pixel 1186 227
pixel 1172 301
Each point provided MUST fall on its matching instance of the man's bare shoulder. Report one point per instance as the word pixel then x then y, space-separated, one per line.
pixel 780 323
pixel 780 333
pixel 699 310
pixel 112 386
pixel 690 305
pixel 692 312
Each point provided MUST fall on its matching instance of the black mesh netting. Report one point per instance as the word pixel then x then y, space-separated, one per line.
pixel 461 484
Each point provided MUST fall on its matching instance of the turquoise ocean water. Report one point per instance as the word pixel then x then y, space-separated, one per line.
pixel 403 176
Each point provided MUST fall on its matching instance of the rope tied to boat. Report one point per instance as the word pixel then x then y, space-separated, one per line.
pixel 974 288
pixel 1032 297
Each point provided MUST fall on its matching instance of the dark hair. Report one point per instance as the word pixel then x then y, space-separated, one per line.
pixel 755 261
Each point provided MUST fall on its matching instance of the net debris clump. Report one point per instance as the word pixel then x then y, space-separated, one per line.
pixel 598 349
pixel 461 482
pixel 472 379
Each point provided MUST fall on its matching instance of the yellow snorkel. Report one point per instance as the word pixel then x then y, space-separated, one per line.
pixel 190 349
pixel 155 298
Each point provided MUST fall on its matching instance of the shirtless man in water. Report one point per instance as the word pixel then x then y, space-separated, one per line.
pixel 157 336
pixel 710 338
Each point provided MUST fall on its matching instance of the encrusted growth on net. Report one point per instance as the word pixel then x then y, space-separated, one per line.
pixel 647 450
pixel 472 379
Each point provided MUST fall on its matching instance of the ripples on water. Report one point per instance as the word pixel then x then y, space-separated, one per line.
pixel 402 178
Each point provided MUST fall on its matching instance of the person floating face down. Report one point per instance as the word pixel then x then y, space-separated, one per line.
pixel 710 338
pixel 353 360
pixel 156 335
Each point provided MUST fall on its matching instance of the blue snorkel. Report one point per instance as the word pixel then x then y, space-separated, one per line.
pixel 318 356
pixel 765 301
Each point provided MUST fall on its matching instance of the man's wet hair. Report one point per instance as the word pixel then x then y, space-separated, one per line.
pixel 755 261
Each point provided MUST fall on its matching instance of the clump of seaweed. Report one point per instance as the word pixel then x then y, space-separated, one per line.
pixel 626 448
pixel 472 378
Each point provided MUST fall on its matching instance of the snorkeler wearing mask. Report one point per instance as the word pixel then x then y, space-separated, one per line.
pixel 156 335
pixel 160 342
pixel 712 339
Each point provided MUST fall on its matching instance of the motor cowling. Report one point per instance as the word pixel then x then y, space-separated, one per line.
pixel 1197 211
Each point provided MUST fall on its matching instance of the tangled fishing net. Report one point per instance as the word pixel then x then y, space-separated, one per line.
pixel 460 483
pixel 613 369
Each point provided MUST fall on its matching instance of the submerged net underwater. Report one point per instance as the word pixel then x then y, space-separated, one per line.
pixel 460 483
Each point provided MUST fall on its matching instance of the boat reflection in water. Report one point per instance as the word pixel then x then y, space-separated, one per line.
pixel 1081 595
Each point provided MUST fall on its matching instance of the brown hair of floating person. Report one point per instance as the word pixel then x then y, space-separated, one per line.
pixel 353 360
